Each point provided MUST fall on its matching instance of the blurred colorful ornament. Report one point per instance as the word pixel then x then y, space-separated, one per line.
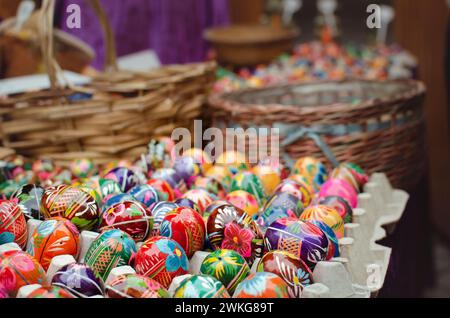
pixel 304 240
pixel 262 285
pixel 112 248
pixel 162 259
pixel 295 273
pixel 211 185
pixel 227 266
pixel 296 189
pixel 50 292
pixel 340 188
pixel 221 173
pixel 13 225
pixel 234 161
pixel 164 190
pixel 188 169
pixel 340 205
pixel 144 194
pixel 201 286
pixel 244 201
pixel 29 197
pixel 303 181
pixel 135 286
pixel 249 182
pixel 18 269
pixel 313 170
pixel 201 197
pixel 131 217
pixel 327 215
pixel 82 168
pixel 186 227
pixel 200 157
pixel 269 177
pixel 173 178
pixel 56 236
pixel 79 280
pixel 351 173
pixel 123 176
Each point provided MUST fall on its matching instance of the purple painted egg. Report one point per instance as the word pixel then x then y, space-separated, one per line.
pixel 145 194
pixel 79 280
pixel 302 239
pixel 188 169
pixel 123 176
pixel 187 203
pixel 340 188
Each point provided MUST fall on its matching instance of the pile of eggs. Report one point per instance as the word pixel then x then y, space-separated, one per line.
pixel 155 214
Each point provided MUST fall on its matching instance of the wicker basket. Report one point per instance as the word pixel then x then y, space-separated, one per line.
pixel 378 125
pixel 124 112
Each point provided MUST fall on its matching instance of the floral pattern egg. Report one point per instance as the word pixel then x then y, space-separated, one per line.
pixel 135 286
pixel 340 188
pixel 243 200
pixel 295 273
pixel 18 269
pixel 296 189
pixel 131 217
pixel 79 280
pixel 159 211
pixel 112 248
pixel 164 190
pixel 201 286
pixel 13 225
pixel 227 266
pixel 262 285
pixel 56 236
pixel 162 259
pixel 249 182
pixel 304 240
pixel 144 194
pixel 29 197
pixel 313 170
pixel 340 205
pixel 201 197
pixel 124 177
pixel 50 292
pixel 327 215
pixel 186 227
pixel 72 203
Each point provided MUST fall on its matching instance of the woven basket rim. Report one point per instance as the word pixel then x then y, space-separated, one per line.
pixel 221 101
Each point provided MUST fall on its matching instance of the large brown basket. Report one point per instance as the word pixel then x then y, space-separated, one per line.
pixel 126 110
pixel 378 125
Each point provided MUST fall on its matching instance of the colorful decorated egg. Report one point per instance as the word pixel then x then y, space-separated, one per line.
pixel 13 225
pixel 340 205
pixel 159 211
pixel 144 194
pixel 269 177
pixel 29 197
pixel 295 273
pixel 272 214
pixel 201 197
pixel 296 189
pixel 244 200
pixel 333 248
pixel 262 285
pixel 131 217
pixel 200 157
pixel 290 203
pixel 221 173
pixel 173 178
pixel 231 228
pixel 164 190
pixel 123 176
pixel 351 173
pixel 162 259
pixel 79 280
pixel 56 236
pixel 184 202
pixel 135 286
pixel 72 203
pixel 211 185
pixel 50 292
pixel 212 207
pixel 234 161
pixel 107 187
pixel 340 188
pixel 116 199
pixel 186 227
pixel 227 266
pixel 188 169
pixel 112 248
pixel 201 286
pixel 82 168
pixel 303 181
pixel 327 215
pixel 304 240
pixel 313 170
pixel 249 182
pixel 18 269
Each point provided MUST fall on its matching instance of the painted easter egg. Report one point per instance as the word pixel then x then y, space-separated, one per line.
pixel 200 157
pixel 72 203
pixel 144 194
pixel 262 285
pixel 201 286
pixel 186 227
pixel 201 197
pixel 188 169
pixel 244 201
pixel 212 207
pixel 333 248
pixel 135 286
pixel 29 197
pixel 131 217
pixel 272 214
pixel 107 187
pixel 231 228
pixel 159 211
pixel 18 269
pixel 234 161
pixel 82 168
pixel 164 190
pixel 340 188
pixel 53 237
pixel 123 176
pixel 286 201
pixel 162 259
pixel 173 178
pixel 295 273
pixel 269 177
pixel 351 173
pixel 50 292
pixel 227 266
pixel 185 202
pixel 303 181
pixel 340 205
pixel 296 189
pixel 249 182
pixel 221 173
pixel 302 239
pixel 211 185
pixel 79 280
pixel 112 248
pixel 116 199
pixel 313 170
pixel 13 225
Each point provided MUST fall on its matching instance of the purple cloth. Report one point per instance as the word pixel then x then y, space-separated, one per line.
pixel 173 28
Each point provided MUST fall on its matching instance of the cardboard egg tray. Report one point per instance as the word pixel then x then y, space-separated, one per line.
pixel 359 272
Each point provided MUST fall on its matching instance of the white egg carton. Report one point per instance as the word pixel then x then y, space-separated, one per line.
pixel 359 272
